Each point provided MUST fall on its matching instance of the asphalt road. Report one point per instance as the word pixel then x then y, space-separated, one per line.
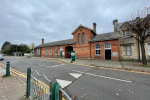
pixel 88 83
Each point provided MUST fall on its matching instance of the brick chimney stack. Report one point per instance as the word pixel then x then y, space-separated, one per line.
pixel 42 40
pixel 94 26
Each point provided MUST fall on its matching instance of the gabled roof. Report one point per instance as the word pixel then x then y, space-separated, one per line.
pixel 84 27
pixel 105 36
pixel 119 25
pixel 57 43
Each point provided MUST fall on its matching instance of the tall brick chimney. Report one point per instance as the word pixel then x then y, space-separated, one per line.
pixel 42 40
pixel 94 26
pixel 115 22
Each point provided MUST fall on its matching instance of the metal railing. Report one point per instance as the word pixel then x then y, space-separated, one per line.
pixel 38 90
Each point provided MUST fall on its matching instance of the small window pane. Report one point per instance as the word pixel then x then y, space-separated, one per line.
pixel 107 46
pixel 97 49
pixel 128 34
pixel 124 50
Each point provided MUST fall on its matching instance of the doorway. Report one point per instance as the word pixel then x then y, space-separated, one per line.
pixel 68 50
pixel 107 51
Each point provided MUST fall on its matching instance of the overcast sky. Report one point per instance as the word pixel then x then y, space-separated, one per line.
pixel 27 21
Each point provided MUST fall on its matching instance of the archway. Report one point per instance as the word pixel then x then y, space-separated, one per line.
pixel 68 50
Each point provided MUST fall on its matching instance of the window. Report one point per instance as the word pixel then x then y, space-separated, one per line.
pixel 83 38
pixel 60 48
pixel 123 33
pixel 97 49
pixel 36 51
pixel 50 51
pixel 149 49
pixel 55 50
pixel 46 51
pixel 39 51
pixel 107 46
pixel 127 50
pixel 128 34
pixel 79 39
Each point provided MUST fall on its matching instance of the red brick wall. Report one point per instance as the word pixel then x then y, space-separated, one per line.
pixel 83 50
pixel 114 48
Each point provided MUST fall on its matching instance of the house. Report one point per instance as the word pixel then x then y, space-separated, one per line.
pixel 128 46
pixel 86 43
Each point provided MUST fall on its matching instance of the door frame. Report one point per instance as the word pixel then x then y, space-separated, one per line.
pixel 107 49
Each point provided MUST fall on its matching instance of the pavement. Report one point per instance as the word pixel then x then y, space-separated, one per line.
pixel 84 82
pixel 11 88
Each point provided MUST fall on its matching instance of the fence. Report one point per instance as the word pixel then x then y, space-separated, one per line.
pixel 38 90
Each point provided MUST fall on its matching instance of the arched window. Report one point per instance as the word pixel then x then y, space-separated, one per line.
pixel 79 39
pixel 97 49
pixel 83 38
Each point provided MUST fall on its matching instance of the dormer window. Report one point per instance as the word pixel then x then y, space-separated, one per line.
pixel 123 34
pixel 127 33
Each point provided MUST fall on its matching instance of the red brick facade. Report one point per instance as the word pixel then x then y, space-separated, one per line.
pixel 83 51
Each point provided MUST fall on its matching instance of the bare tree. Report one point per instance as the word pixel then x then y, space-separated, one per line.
pixel 32 46
pixel 139 27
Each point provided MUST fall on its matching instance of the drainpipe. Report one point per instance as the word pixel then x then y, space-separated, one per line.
pixel 57 51
pixel 90 50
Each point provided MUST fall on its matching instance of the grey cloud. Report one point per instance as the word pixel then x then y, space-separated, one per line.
pixel 27 21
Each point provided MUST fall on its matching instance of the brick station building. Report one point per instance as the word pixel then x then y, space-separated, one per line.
pixel 85 42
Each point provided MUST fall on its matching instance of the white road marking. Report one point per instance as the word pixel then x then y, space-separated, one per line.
pixel 63 83
pixel 104 76
pixel 76 75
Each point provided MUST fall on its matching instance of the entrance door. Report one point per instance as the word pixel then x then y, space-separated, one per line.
pixel 108 54
pixel 107 51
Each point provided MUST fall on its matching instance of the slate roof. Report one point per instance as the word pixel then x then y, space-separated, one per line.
pixel 120 24
pixel 57 43
pixel 84 27
pixel 105 36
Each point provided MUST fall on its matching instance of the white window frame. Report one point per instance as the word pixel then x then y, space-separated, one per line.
pixel 123 34
pixel 56 51
pixel 127 34
pixel 126 50
pixel 107 45
pixel 148 49
pixel 97 49
pixel 45 51
pixel 39 51
pixel 50 51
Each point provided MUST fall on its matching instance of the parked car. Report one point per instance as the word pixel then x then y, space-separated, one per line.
pixel 1 57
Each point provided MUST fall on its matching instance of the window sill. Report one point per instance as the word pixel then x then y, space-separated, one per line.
pixel 97 55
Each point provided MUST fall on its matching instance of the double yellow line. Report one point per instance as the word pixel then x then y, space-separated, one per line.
pixel 25 76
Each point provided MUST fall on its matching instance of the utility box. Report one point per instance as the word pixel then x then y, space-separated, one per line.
pixel 73 53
